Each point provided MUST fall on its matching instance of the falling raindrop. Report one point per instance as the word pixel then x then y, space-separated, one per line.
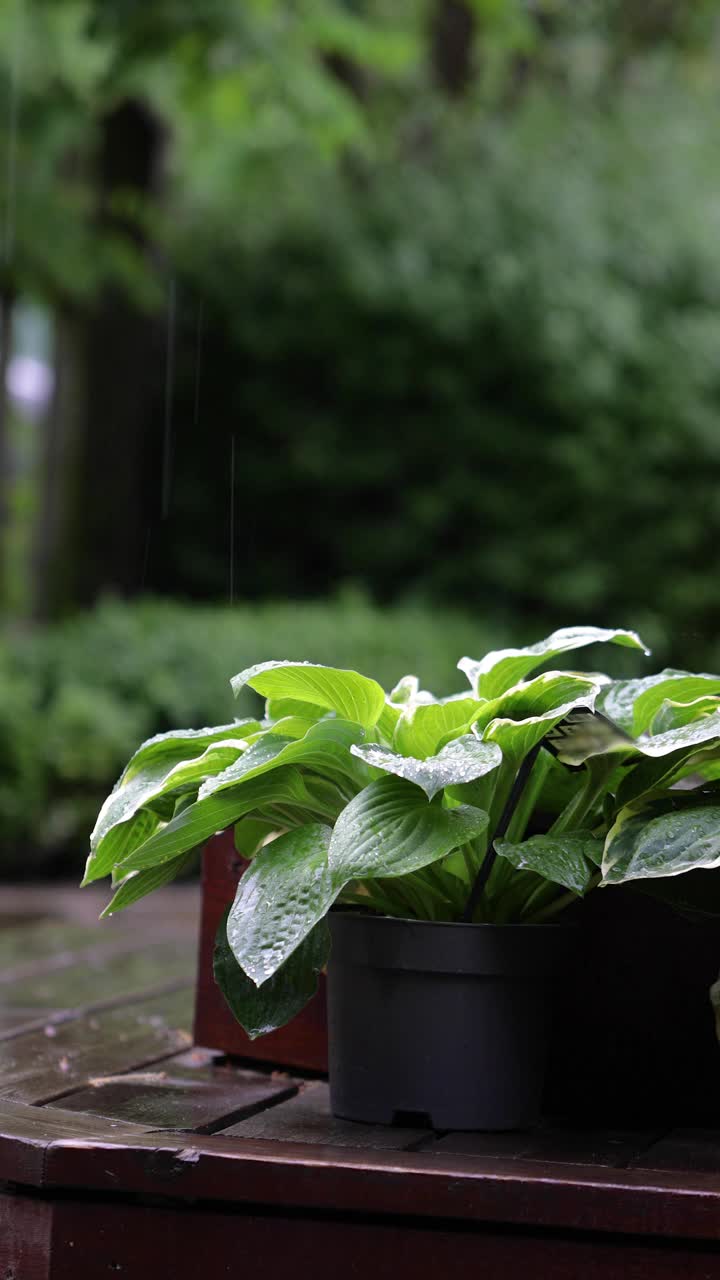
pixel 198 360
pixel 169 385
pixel 232 519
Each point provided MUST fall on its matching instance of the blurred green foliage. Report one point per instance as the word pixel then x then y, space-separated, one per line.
pixel 490 380
pixel 78 697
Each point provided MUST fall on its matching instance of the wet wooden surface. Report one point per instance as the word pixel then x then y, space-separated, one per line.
pixel 125 1148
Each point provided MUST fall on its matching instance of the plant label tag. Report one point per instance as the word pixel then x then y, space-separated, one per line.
pixel 584 733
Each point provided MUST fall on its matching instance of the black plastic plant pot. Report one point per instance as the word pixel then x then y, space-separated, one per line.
pixel 440 1024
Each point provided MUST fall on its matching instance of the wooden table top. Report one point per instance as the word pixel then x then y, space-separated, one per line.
pixel 103 1094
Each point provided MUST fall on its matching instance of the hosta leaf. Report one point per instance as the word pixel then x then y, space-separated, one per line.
pixel 390 829
pixel 532 710
pixel 632 703
pixel 699 733
pixel 675 715
pixel 567 860
pixel 324 748
pixel 462 760
pixel 185 744
pixel 214 813
pixel 280 708
pixel 350 695
pixel 120 841
pixel 250 833
pixel 163 774
pixel 499 670
pixel 665 838
pixel 677 688
pixel 283 894
pixel 139 883
pixel 421 728
pixel 263 1009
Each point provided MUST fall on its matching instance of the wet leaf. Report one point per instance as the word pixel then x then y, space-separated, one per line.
pixel 260 1010
pixel 390 829
pixel 462 760
pixel 282 895
pixel 502 668
pixel 568 860
pixel 352 696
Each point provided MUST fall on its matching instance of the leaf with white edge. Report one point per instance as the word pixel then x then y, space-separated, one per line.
pixel 203 819
pixel 138 884
pixel 517 737
pixel 283 894
pixel 119 842
pixel 185 744
pixel 260 1010
pixel 502 668
pixel 390 829
pixel 678 688
pixel 674 715
pixel 666 838
pixel 407 692
pixel 352 696
pixel 462 760
pixel 161 778
pixel 324 748
pixel 568 860
pixel 421 729
pixel 618 699
pixel 698 733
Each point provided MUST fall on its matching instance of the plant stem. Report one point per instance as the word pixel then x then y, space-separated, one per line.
pixel 580 806
pixel 516 791
pixel 565 900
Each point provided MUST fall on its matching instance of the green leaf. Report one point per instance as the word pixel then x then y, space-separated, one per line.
pixel 390 829
pixel 422 727
pixel 568 860
pixel 462 760
pixel 185 744
pixel 283 894
pixel 214 813
pixel 675 715
pixel 260 1010
pixel 530 711
pixel 626 703
pixel 678 688
pixel 325 748
pixel 665 838
pixel 139 883
pixel 280 708
pixel 159 776
pixel 120 841
pixel 350 695
pixel 250 833
pixel 502 668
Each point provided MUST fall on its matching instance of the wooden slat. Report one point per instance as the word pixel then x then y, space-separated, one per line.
pixel 25 1236
pixel 609 1147
pixel 26 1132
pixel 110 974
pixel 93 1239
pixel 37 1068
pixel 187 1092
pixel 307 1118
pixel 308 1177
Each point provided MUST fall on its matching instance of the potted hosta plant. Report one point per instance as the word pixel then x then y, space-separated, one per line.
pixel 424 850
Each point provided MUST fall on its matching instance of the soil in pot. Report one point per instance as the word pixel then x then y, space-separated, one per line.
pixel 444 1024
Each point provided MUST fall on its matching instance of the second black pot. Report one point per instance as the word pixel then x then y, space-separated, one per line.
pixel 440 1024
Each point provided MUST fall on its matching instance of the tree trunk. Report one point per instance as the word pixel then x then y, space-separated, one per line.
pixel 106 426
pixel 6 463
pixel 452 32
